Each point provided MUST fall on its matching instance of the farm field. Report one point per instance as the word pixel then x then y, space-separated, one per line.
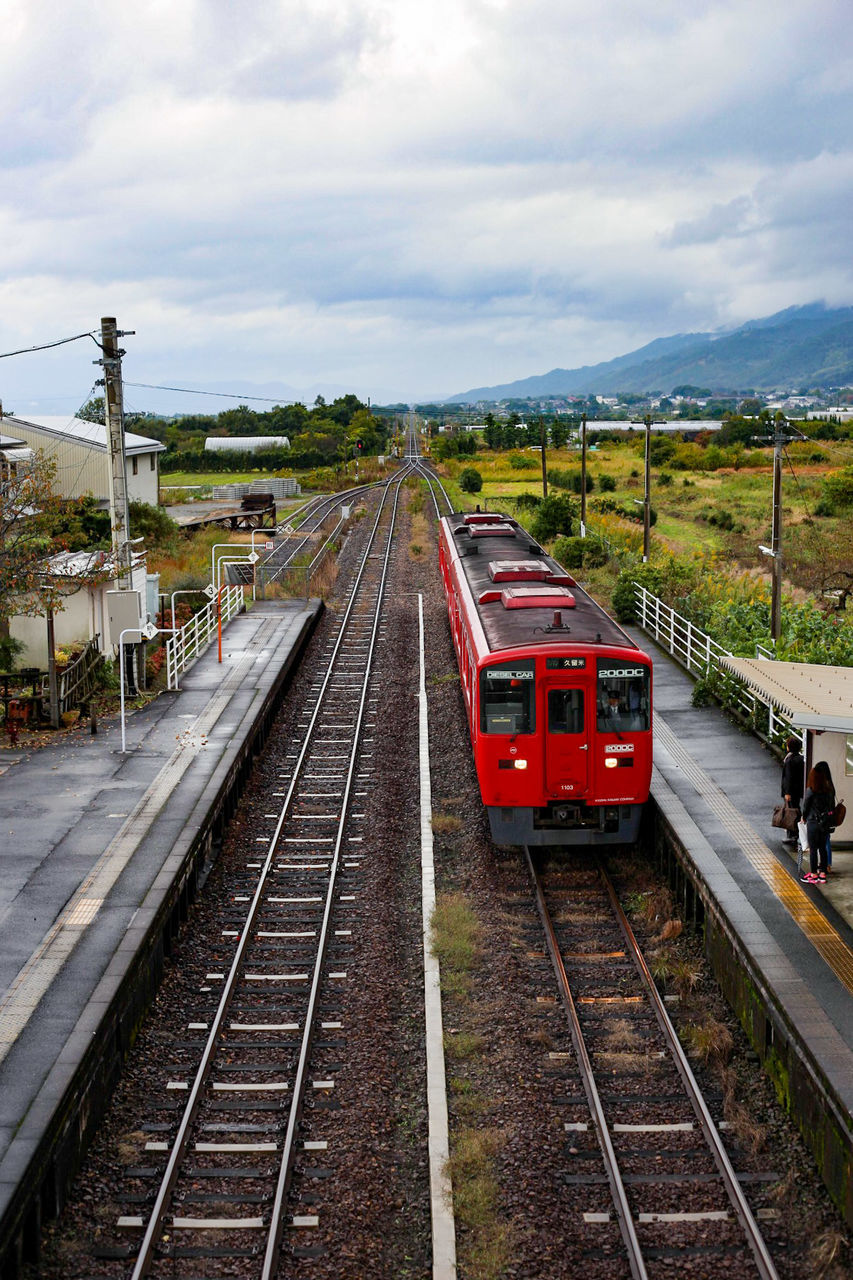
pixel 727 511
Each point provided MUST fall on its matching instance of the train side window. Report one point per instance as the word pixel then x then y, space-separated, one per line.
pixel 565 711
pixel 507 698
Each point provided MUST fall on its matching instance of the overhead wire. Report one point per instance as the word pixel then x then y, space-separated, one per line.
pixel 192 391
pixel 45 346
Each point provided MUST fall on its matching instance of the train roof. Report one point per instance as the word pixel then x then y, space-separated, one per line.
pixel 517 588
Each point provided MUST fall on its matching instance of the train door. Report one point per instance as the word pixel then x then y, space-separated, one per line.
pixel 566 739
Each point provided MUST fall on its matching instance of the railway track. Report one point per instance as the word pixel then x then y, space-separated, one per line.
pixel 223 1173
pixel 674 1193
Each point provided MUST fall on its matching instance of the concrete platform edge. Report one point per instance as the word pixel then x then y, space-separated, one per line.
pixel 810 1087
pixel 47 1152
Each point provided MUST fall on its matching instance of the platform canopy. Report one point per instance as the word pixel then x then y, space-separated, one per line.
pixel 812 696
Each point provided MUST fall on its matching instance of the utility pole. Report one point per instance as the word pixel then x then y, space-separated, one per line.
pixel 542 435
pixel 583 475
pixel 781 433
pixel 114 417
pixel 647 505
pixel 775 549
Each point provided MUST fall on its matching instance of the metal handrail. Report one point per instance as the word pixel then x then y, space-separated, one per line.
pixel 190 641
pixel 701 655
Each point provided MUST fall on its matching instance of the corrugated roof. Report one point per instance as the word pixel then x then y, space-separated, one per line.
pixel 91 433
pixel 811 695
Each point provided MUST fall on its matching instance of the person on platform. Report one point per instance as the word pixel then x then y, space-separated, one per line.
pixel 793 781
pixel 823 767
pixel 818 804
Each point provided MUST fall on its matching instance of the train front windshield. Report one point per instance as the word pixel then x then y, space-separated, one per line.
pixel 622 697
pixel 508 697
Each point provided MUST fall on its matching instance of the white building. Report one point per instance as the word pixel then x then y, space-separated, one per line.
pixel 79 452
pixel 245 444
pixel 83 615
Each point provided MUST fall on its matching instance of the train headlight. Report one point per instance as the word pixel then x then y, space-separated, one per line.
pixel 520 764
pixel 611 762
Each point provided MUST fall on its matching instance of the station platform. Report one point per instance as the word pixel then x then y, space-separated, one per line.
pixel 100 852
pixel 782 950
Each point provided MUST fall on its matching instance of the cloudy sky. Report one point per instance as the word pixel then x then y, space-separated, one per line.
pixel 407 199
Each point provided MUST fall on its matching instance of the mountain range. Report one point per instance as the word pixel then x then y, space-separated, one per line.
pixel 809 346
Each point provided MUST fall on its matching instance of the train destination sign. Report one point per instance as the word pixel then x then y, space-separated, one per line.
pixel 564 664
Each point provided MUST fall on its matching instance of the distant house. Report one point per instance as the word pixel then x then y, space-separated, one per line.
pixel 15 455
pixel 79 452
pixel 245 444
pixel 84 611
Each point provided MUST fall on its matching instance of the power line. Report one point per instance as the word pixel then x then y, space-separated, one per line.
pixel 192 391
pixel 47 345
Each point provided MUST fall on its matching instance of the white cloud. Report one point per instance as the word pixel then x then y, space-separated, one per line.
pixel 418 197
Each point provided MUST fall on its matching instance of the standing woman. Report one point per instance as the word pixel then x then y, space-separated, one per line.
pixel 818 804
pixel 823 768
pixel 793 777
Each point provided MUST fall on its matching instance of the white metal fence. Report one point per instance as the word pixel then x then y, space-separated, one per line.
pixel 700 654
pixel 186 645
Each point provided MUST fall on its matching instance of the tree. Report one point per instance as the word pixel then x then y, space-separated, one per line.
pixel 470 480
pixel 29 510
pixel 553 516
pixel 559 433
pixel 491 432
pixel 93 410
pixel 30 514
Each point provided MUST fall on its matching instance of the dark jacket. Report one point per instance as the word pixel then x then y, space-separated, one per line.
pixel 818 807
pixel 793 777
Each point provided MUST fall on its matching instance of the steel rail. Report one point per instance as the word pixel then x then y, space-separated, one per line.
pixel 329 503
pixel 611 1164
pixel 270 1264
pixel 756 1241
pixel 172 1170
pixel 434 480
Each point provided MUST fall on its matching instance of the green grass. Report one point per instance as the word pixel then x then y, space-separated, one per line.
pixel 176 479
pixel 687 513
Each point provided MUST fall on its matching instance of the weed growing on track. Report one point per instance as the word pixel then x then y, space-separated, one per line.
pixel 459 1045
pixel 825 1251
pixel 709 1040
pixel 484 1239
pixel 456 935
pixel 445 823
pixel 476 1199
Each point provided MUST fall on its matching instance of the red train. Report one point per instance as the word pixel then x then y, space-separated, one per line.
pixel 559 698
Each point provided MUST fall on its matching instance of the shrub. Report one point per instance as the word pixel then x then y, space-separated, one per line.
pixel 553 516
pixel 646 575
pixel 470 480
pixel 10 650
pixel 664 479
pixel 838 488
pixel 580 553
pixel 527 501
pixel 569 552
pixel 607 484
pixel 561 478
pixel 520 462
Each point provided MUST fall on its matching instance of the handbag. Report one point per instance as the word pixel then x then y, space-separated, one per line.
pixel 785 817
pixel 839 813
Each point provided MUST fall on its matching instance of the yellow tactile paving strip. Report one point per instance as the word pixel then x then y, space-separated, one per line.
pixel 27 989
pixel 826 941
